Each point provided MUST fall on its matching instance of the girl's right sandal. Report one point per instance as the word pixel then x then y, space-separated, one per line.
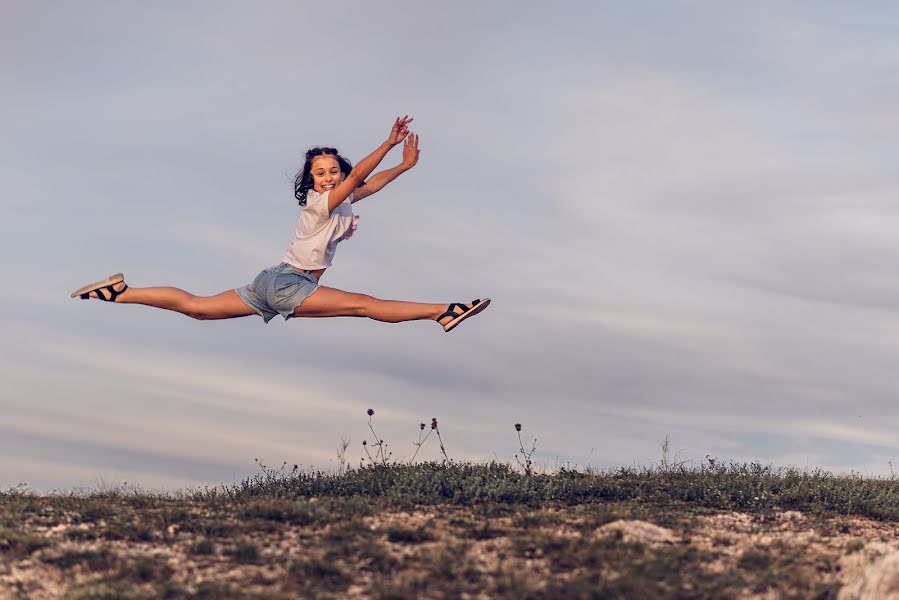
pixel 99 287
pixel 464 311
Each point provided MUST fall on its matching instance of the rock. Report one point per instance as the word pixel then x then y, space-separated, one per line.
pixel 739 522
pixel 879 581
pixel 637 531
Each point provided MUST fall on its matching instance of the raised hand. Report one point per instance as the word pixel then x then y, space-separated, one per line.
pixel 399 131
pixel 410 150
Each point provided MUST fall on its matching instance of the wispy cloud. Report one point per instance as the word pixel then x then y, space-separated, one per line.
pixel 684 213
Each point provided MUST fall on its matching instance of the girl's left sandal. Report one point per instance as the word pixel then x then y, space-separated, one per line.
pixel 99 286
pixel 466 311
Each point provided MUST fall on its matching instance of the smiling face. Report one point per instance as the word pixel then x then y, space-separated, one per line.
pixel 326 174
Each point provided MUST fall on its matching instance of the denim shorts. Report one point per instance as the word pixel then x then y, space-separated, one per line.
pixel 278 289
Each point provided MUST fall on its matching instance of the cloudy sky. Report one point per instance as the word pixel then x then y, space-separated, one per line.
pixel 685 213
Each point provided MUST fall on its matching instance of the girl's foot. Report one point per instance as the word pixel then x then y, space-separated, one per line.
pixel 109 289
pixel 458 312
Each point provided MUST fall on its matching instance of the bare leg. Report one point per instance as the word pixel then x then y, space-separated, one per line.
pixel 226 305
pixel 323 302
pixel 331 302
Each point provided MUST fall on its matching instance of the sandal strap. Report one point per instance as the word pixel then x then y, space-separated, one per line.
pixel 448 313
pixel 451 312
pixel 113 294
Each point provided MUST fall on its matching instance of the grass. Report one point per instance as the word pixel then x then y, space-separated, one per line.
pixel 451 530
pixel 752 487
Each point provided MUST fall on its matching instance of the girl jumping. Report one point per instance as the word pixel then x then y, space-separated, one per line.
pixel 326 188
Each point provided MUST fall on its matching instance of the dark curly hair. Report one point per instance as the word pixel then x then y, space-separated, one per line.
pixel 302 183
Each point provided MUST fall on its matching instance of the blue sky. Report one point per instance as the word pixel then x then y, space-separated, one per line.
pixel 684 212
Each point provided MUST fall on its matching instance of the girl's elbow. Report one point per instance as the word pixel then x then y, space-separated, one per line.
pixel 354 180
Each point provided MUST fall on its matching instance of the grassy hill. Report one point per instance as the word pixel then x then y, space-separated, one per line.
pixel 451 530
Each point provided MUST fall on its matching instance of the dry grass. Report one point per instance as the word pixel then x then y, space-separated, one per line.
pixel 365 541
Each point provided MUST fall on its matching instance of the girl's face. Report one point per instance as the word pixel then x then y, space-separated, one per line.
pixel 326 174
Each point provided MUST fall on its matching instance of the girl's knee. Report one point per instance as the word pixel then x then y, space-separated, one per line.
pixel 363 305
pixel 197 307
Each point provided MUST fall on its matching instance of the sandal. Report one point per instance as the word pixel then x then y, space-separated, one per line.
pixel 98 287
pixel 467 311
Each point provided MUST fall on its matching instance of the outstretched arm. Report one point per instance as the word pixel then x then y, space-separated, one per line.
pixel 363 169
pixel 382 178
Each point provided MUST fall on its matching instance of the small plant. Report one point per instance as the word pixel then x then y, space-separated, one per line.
pixel 342 464
pixel 319 571
pixel 434 427
pixel 271 474
pixel 381 455
pixel 524 461
pixel 95 560
pixel 202 547
pixel 420 441
pixel 246 552
pixel 19 489
pixel 755 559
pixel 409 535
pixel 667 463
pixel 144 568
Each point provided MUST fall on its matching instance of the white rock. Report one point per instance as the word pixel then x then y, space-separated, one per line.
pixel 879 581
pixel 638 531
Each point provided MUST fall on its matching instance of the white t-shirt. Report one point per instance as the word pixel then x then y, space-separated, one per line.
pixel 318 232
